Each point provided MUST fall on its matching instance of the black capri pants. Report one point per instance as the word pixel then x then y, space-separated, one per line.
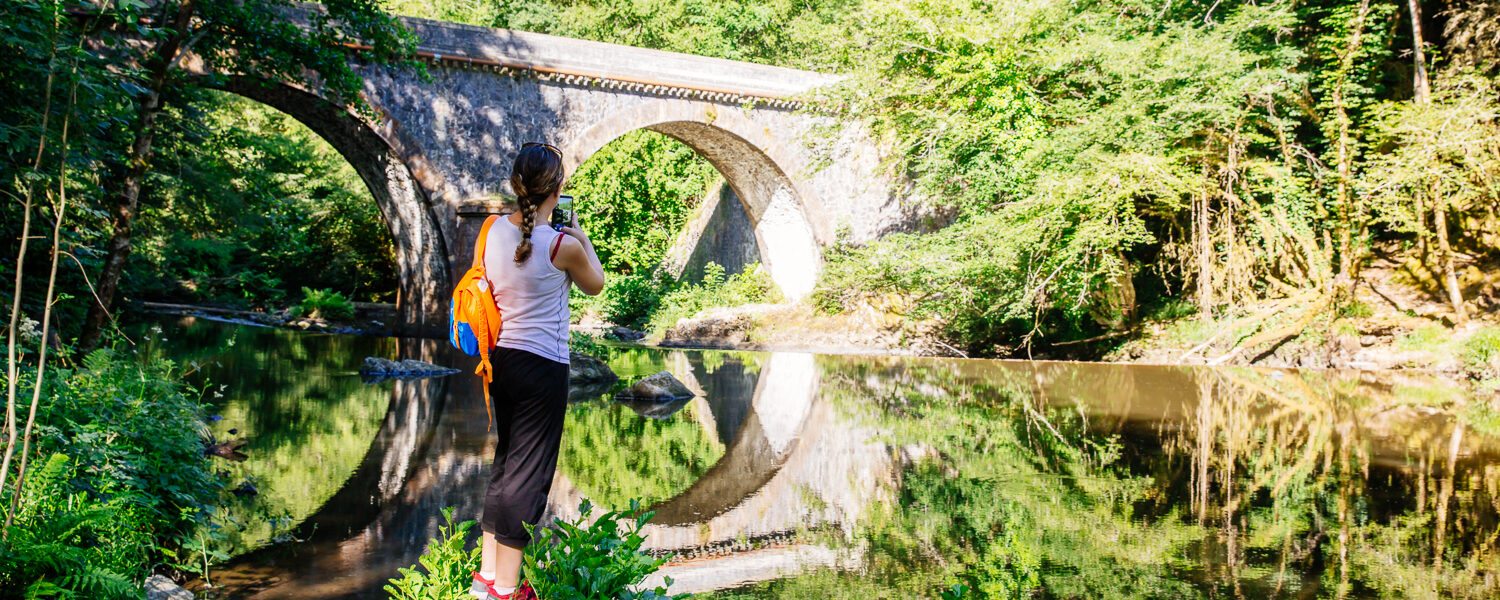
pixel 530 395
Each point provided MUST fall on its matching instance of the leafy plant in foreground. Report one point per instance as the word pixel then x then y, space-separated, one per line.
pixel 446 566
pixel 601 560
pixel 62 543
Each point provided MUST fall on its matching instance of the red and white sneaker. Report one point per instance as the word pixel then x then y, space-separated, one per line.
pixel 522 593
pixel 481 587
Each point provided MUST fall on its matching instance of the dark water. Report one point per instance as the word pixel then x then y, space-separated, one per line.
pixel 806 476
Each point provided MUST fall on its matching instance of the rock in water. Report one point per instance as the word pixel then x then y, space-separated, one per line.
pixel 584 369
pixel 661 387
pixel 381 368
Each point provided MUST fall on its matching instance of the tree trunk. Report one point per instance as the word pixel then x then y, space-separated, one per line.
pixel 1422 94
pixel 127 200
pixel 127 189
pixel 1421 86
pixel 1445 254
pixel 1205 258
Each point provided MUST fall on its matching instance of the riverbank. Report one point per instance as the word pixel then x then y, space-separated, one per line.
pixel 1389 326
pixel 376 319
pixel 1386 328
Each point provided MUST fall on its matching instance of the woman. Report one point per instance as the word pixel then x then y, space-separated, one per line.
pixel 530 267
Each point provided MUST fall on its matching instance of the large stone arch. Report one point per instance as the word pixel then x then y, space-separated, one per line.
pixel 789 222
pixel 421 251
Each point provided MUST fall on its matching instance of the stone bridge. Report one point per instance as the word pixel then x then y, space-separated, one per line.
pixel 438 155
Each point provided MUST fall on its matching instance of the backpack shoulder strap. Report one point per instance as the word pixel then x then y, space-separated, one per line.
pixel 484 236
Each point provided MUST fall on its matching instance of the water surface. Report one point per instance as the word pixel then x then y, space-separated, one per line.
pixel 807 476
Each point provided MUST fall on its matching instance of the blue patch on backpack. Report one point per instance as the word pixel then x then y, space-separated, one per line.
pixel 461 335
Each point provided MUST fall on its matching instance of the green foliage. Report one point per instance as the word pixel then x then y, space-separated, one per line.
pixel 1355 309
pixel 1444 154
pixel 1061 165
pixel 594 558
pixel 584 343
pixel 635 194
pixel 251 206
pixel 120 481
pixel 131 429
pixel 748 287
pixel 1481 352
pixel 446 566
pixel 1427 337
pixel 630 300
pixel 97 73
pixel 789 32
pixel 325 304
pixel 64 543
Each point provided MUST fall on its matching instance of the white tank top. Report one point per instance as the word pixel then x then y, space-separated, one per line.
pixel 533 296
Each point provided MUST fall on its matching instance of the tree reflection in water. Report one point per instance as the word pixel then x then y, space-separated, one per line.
pixel 1075 480
pixel 279 391
pixel 1108 481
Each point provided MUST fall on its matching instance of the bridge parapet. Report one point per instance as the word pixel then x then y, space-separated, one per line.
pixel 630 69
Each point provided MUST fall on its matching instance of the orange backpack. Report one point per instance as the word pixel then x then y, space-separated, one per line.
pixel 474 320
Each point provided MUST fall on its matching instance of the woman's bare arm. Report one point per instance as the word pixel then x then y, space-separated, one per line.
pixel 577 258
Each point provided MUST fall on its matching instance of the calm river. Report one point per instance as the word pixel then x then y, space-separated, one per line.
pixel 810 476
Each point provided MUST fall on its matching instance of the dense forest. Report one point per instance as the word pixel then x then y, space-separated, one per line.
pixel 1092 166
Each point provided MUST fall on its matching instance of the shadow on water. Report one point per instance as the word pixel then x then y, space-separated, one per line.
pixel 901 476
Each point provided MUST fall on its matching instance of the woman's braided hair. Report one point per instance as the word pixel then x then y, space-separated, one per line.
pixel 535 176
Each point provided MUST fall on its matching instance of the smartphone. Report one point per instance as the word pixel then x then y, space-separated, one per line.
pixel 562 215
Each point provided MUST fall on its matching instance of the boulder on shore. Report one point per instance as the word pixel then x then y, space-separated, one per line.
pixel 661 387
pixel 158 587
pixel 384 368
pixel 623 334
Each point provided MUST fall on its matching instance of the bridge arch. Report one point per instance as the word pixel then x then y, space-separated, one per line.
pixel 788 220
pixel 421 253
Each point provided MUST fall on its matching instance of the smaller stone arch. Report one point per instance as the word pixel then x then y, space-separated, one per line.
pixel 421 252
pixel 790 225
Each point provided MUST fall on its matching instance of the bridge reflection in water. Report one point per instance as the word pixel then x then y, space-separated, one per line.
pixel 1112 480
pixel 788 465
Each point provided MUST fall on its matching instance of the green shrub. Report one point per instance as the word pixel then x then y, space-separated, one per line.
pixel 1355 309
pixel 1169 309
pixel 64 543
pixel 325 304
pixel 630 300
pixel 119 481
pixel 601 560
pixel 446 566
pixel 1481 352
pixel 751 286
pixel 132 431
pixel 584 343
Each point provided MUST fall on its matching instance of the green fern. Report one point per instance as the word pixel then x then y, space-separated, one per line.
pixel 446 566
pixel 64 545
